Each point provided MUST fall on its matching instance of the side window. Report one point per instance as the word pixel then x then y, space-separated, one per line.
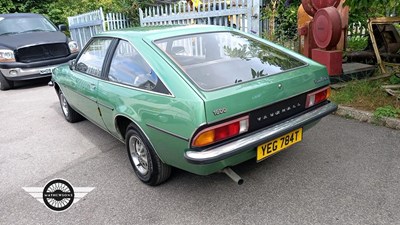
pixel 128 67
pixel 91 60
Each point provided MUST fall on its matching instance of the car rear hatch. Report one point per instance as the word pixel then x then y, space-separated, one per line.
pixel 237 74
pixel 266 100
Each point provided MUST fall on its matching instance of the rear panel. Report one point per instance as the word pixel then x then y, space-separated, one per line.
pixel 236 73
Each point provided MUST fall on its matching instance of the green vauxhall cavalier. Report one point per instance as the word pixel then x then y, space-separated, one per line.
pixel 199 98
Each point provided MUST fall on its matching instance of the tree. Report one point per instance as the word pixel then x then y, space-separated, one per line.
pixel 361 10
pixel 59 10
pixel 282 15
pixel 7 6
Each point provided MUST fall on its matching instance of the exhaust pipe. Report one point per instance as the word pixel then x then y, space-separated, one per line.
pixel 234 176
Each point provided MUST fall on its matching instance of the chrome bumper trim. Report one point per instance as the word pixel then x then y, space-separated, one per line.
pixel 256 138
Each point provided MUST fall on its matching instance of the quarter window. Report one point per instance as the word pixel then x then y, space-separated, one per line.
pixel 91 61
pixel 128 67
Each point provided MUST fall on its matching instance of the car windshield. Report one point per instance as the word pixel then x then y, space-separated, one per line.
pixel 17 25
pixel 216 60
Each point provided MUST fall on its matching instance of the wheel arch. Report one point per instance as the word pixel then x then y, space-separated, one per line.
pixel 56 87
pixel 121 124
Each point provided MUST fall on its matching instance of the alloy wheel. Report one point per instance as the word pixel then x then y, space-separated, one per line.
pixel 139 154
pixel 64 105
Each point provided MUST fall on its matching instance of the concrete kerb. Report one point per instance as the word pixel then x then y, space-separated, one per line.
pixel 365 116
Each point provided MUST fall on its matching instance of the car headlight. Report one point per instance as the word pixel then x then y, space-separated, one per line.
pixel 7 55
pixel 73 47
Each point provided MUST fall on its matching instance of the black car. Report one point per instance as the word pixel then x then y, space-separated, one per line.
pixel 31 47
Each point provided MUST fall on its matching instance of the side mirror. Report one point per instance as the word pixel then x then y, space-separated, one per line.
pixel 72 64
pixel 82 67
pixel 62 27
pixel 177 49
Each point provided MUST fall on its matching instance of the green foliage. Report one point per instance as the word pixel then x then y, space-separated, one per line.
pixel 266 54
pixel 257 74
pixel 59 10
pixel 240 52
pixel 282 15
pixel 361 10
pixel 7 6
pixel 387 111
pixel 364 94
pixel 358 91
pixel 394 80
pixel 286 20
pixel 357 43
pixel 285 14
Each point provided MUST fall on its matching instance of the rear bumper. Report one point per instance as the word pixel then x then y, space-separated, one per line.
pixel 245 143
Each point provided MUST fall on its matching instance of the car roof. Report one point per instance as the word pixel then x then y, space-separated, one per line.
pixel 19 15
pixel 160 32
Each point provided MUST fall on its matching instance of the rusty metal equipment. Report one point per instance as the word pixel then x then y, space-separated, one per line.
pixel 387 37
pixel 322 26
pixel 383 49
pixel 391 41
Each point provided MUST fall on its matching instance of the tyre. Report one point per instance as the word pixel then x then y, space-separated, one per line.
pixel 5 84
pixel 69 113
pixel 147 165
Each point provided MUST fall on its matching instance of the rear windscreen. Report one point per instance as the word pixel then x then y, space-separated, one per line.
pixel 216 60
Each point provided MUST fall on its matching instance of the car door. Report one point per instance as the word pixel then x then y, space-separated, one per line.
pixel 129 81
pixel 85 79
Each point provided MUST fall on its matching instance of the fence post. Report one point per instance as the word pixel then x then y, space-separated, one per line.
pixel 253 20
pixel 103 25
pixel 141 17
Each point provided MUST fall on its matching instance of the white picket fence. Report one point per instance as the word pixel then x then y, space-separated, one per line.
pixel 116 21
pixel 240 14
pixel 357 30
pixel 84 26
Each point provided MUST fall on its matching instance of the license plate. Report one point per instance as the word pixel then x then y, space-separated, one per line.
pixel 45 71
pixel 278 144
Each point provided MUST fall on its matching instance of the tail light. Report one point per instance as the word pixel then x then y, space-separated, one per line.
pixel 318 96
pixel 221 132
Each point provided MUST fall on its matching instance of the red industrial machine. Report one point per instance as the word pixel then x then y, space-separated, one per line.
pixel 322 26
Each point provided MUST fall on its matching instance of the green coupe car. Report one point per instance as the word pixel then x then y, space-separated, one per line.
pixel 198 98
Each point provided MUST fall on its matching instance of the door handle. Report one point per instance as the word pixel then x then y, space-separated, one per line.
pixel 92 87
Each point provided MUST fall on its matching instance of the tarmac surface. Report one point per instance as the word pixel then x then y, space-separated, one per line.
pixel 343 172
